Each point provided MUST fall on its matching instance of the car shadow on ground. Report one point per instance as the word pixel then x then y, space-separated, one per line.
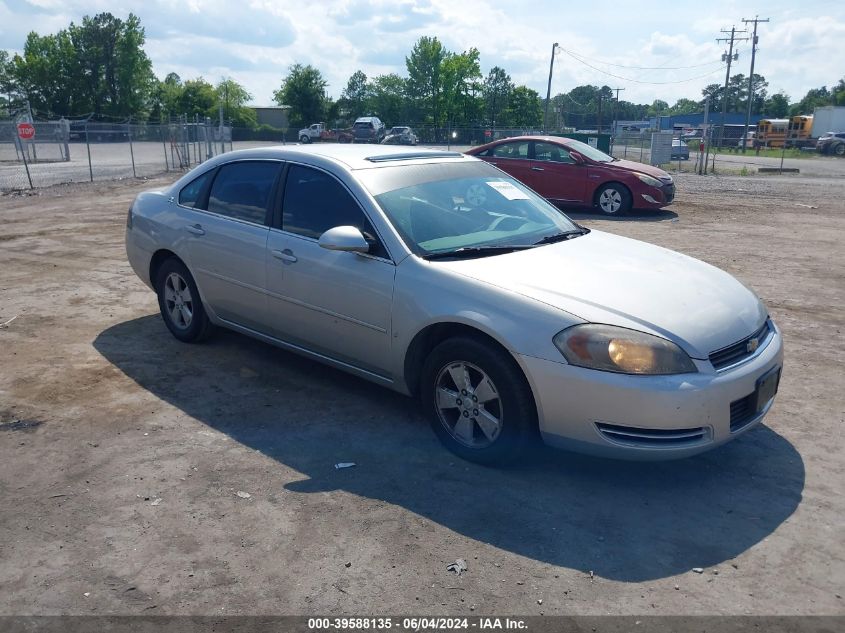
pixel 634 215
pixel 624 521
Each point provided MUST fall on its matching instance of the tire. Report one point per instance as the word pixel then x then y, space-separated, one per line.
pixel 613 199
pixel 180 304
pixel 490 417
pixel 839 149
pixel 304 139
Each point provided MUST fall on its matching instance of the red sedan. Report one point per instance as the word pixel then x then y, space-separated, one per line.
pixel 573 174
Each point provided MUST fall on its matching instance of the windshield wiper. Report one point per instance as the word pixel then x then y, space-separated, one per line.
pixel 477 251
pixel 560 237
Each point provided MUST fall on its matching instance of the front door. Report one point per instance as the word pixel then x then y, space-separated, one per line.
pixel 334 303
pixel 557 174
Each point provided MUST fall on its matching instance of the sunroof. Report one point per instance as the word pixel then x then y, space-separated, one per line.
pixel 412 156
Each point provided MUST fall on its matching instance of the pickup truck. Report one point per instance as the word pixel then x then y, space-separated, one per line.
pixel 318 132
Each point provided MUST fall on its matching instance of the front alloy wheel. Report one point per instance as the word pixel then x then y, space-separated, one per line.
pixel 614 200
pixel 478 400
pixel 468 405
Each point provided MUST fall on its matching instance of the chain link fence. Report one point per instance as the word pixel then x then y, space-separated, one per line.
pixel 77 151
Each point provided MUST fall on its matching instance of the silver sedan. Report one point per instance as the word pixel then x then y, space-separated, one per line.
pixel 439 276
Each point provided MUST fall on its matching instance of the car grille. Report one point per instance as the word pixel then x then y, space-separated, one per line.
pixel 743 412
pixel 653 438
pixel 669 192
pixel 739 351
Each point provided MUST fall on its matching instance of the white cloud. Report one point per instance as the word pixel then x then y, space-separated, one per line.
pixel 255 41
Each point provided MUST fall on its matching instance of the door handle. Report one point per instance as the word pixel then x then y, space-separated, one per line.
pixel 196 229
pixel 537 169
pixel 285 255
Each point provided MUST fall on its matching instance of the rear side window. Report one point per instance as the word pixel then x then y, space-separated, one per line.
pixel 316 202
pixel 242 190
pixel 511 150
pixel 189 196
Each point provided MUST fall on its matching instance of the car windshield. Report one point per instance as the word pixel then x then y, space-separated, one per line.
pixel 398 130
pixel 590 152
pixel 361 124
pixel 439 208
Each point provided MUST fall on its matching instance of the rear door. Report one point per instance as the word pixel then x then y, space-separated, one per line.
pixel 558 176
pixel 512 158
pixel 227 241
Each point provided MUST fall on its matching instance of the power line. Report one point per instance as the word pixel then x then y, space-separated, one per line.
pixel 637 81
pixel 579 56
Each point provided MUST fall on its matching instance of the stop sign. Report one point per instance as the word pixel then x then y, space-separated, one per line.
pixel 26 131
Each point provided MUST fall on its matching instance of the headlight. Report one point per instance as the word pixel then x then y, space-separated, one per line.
pixel 651 182
pixel 616 349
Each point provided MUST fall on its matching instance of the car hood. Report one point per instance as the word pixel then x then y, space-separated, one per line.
pixel 630 165
pixel 604 278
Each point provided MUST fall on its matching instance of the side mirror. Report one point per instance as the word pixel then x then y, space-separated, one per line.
pixel 344 238
pixel 576 157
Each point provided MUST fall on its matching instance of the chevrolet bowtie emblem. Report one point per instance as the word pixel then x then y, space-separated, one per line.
pixel 752 345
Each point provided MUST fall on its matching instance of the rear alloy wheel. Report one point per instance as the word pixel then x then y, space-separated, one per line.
pixel 478 401
pixel 839 149
pixel 180 303
pixel 613 199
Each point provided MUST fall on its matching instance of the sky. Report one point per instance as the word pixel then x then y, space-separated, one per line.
pixel 652 49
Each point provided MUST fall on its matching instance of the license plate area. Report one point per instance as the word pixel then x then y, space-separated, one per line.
pixel 766 388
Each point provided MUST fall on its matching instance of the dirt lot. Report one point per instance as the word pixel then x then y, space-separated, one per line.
pixel 123 452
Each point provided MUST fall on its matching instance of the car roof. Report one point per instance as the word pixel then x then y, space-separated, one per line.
pixel 551 139
pixel 349 156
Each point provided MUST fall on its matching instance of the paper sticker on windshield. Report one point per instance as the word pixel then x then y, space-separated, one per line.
pixel 508 190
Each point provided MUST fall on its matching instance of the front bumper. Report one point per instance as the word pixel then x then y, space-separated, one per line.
pixel 647 417
pixel 655 197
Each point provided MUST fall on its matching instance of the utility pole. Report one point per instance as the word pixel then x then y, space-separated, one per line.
pixel 549 88
pixel 599 125
pixel 615 109
pixel 756 20
pixel 729 57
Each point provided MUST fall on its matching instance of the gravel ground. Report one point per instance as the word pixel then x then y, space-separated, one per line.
pixel 140 475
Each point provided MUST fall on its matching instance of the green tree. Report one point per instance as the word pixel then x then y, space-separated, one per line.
pixel 356 97
pixel 425 83
pixel 8 85
pixel 776 106
pixel 685 106
pixel 116 71
pixel 197 98
pixel 838 93
pixel 304 90
pixel 234 97
pixel 460 75
pixel 496 89
pixel 389 98
pixel 815 97
pixel 658 107
pixel 48 75
pixel 524 109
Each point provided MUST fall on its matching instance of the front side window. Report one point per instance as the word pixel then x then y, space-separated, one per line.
pixel 315 202
pixel 190 193
pixel 242 190
pixel 551 152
